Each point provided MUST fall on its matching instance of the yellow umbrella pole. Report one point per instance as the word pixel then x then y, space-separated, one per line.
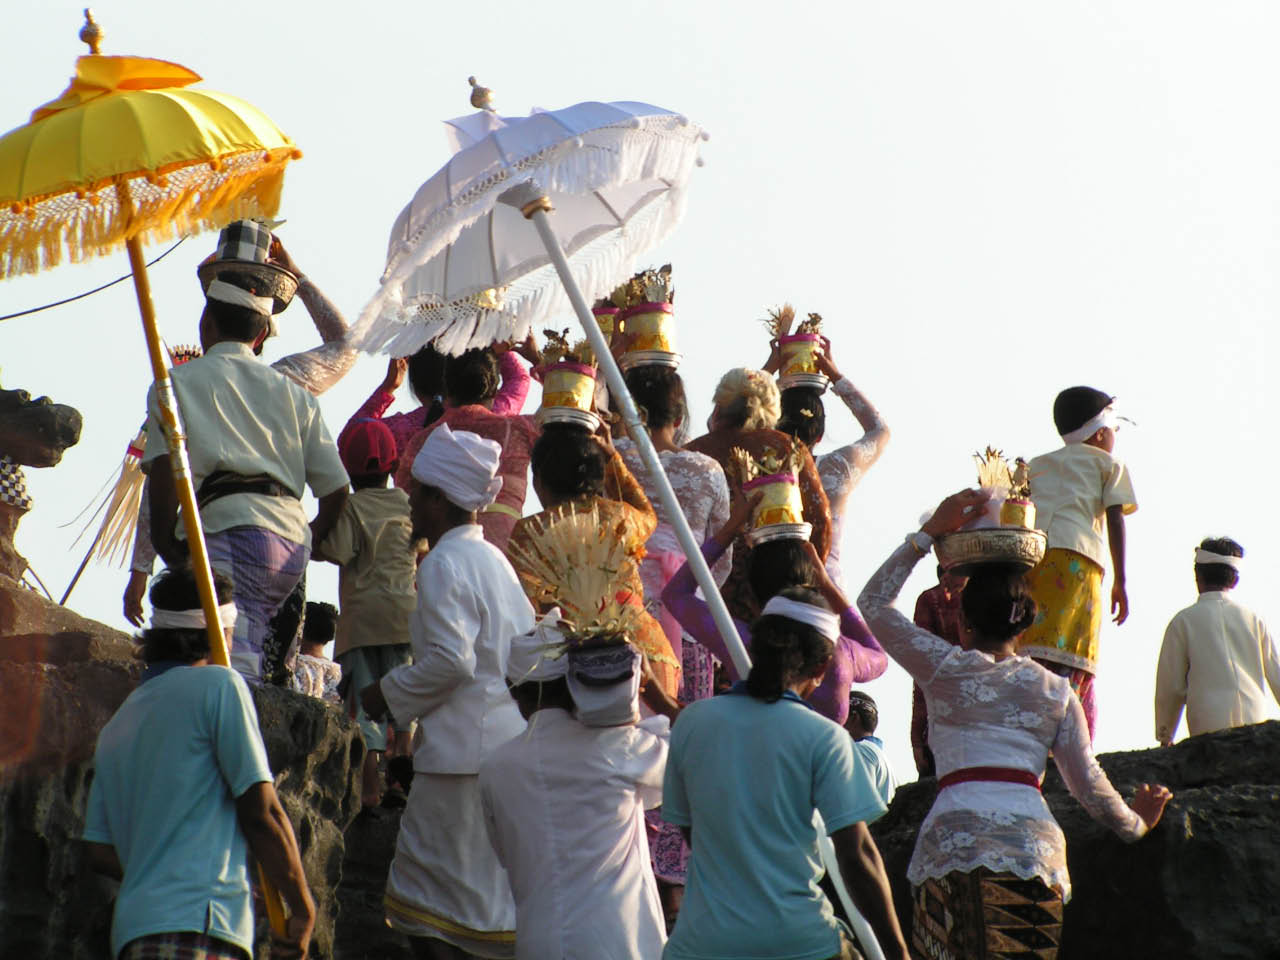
pixel 181 467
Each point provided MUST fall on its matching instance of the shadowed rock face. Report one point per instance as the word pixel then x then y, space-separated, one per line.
pixel 35 433
pixel 63 677
pixel 1204 883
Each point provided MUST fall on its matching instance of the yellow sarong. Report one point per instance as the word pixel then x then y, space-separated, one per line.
pixel 1067 587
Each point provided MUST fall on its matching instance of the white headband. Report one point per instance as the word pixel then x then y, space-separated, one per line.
pixel 191 619
pixel 1208 556
pixel 824 621
pixel 1106 418
pixel 225 292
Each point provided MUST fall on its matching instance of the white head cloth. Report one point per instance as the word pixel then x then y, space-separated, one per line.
pixel 1105 418
pixel 1208 556
pixel 225 292
pixel 824 621
pixel 539 655
pixel 191 619
pixel 462 464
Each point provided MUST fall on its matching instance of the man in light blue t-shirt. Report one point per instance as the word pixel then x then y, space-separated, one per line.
pixel 182 792
pixel 745 774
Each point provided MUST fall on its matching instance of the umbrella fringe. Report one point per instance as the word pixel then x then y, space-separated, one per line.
pixel 196 197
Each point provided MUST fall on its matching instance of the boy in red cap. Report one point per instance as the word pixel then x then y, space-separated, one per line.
pixel 371 542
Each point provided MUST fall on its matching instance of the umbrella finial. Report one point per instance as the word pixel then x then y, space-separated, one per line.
pixel 481 97
pixel 91 33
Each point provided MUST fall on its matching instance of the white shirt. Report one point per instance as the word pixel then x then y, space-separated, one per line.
pixel 1218 659
pixel 244 417
pixel 564 806
pixel 1072 487
pixel 985 712
pixel 470 605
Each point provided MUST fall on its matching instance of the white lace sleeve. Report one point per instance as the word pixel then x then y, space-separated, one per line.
pixel 1087 781
pixel 917 650
pixel 842 469
pixel 318 369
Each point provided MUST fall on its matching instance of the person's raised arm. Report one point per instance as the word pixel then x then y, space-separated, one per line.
pixel 817 510
pixel 864 452
pixel 1087 782
pixel 511 396
pixel 917 651
pixel 1116 540
pixel 864 877
pixel 869 659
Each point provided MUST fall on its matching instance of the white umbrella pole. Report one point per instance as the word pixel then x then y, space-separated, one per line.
pixel 631 418
pixel 537 212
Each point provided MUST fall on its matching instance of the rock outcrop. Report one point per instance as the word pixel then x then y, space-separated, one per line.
pixel 33 433
pixel 63 677
pixel 1204 883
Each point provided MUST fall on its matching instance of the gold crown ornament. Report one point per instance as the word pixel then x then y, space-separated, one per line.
pixel 799 350
pixel 780 513
pixel 1005 531
pixel 568 374
pixel 647 318
pixel 606 313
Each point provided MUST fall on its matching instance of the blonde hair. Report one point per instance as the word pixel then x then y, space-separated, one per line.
pixel 748 399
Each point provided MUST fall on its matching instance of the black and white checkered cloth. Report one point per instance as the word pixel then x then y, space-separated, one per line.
pixel 244 240
pixel 13 485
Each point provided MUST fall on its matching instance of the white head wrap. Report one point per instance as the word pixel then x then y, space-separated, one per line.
pixel 1208 556
pixel 225 292
pixel 824 621
pixel 1105 418
pixel 539 655
pixel 191 619
pixel 463 465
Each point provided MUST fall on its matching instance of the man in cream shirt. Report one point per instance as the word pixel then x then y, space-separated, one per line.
pixel 1218 657
pixel 446 889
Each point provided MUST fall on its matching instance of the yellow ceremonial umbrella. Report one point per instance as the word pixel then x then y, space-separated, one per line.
pixel 127 154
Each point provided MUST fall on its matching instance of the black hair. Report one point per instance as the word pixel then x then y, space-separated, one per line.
pixel 803 415
pixel 568 461
pixel 865 707
pixel 362 481
pixel 1219 576
pixel 532 695
pixel 659 393
pixel 784 650
pixel 320 625
pixel 471 377
pixel 775 565
pixel 996 602
pixel 1076 406
pixel 175 589
pixel 235 322
pixel 426 374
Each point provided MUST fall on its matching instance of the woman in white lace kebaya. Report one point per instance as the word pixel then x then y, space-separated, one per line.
pixel 989 871
pixel 700 486
pixel 804 418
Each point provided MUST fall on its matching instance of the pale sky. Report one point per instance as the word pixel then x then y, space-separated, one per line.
pixel 987 201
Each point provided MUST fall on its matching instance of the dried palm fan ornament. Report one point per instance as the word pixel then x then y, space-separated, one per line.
pixel 120 505
pixel 576 562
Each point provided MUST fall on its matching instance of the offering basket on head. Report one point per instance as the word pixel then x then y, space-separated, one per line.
pixel 1004 532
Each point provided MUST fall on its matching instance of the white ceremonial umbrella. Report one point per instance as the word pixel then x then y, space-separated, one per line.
pixel 463 269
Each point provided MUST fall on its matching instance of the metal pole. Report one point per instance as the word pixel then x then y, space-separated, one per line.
pixel 537 212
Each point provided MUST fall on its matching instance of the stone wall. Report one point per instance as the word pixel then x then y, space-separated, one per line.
pixel 63 677
pixel 1204 883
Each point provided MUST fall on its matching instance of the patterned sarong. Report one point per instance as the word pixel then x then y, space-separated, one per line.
pixel 982 915
pixel 181 946
pixel 264 568
pixel 1067 588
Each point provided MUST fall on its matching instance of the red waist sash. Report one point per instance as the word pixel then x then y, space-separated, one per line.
pixel 989 775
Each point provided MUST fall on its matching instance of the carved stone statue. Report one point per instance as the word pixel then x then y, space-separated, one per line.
pixel 33 433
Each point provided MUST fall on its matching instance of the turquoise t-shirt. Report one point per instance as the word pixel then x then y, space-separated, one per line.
pixel 167 771
pixel 746 776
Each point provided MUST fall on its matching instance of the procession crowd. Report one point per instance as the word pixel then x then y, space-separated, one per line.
pixel 593 774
